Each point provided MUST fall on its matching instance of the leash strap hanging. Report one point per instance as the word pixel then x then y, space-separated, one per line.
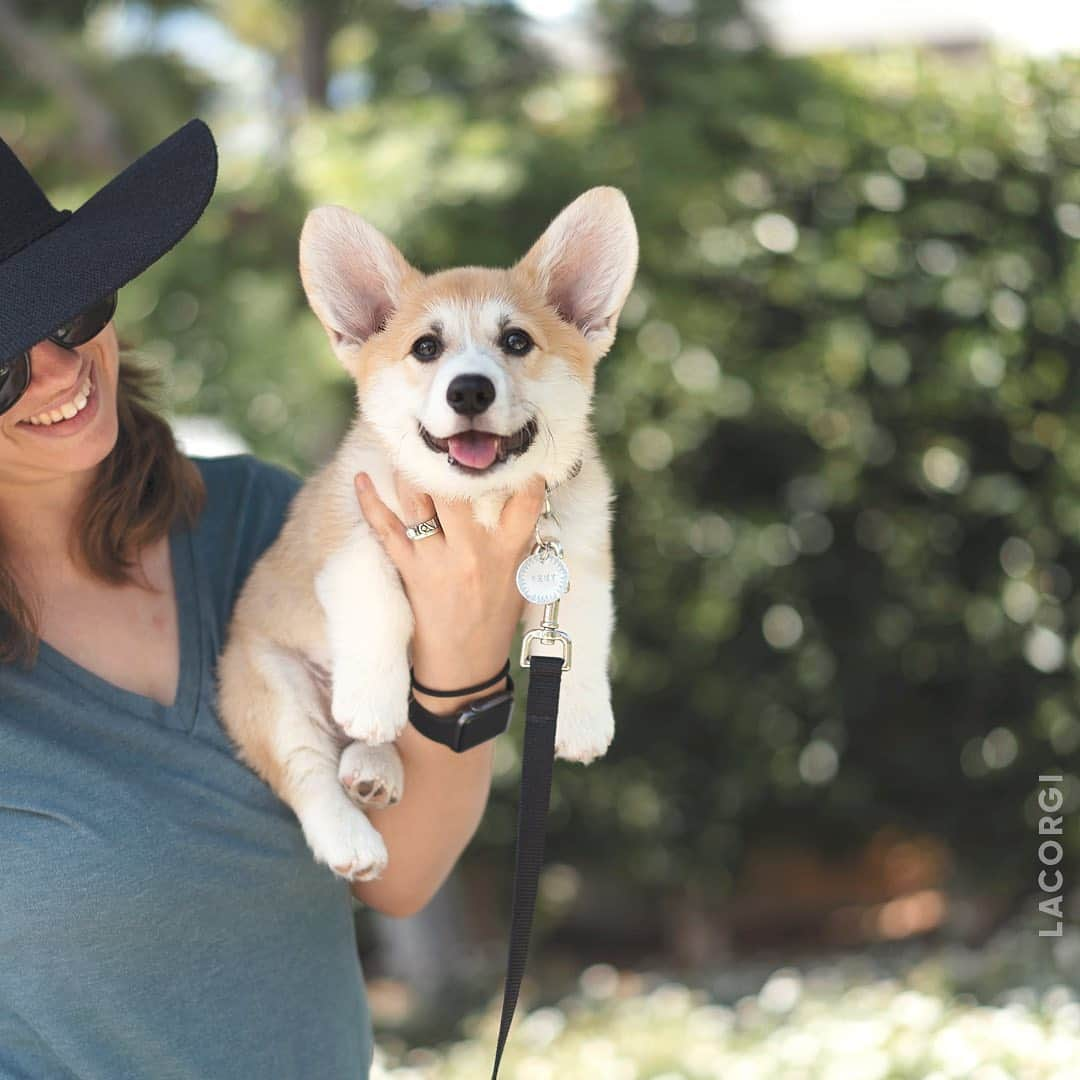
pixel 543 578
pixel 541 711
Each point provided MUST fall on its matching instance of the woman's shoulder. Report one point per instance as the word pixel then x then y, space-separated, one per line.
pixel 246 477
pixel 247 502
pixel 246 496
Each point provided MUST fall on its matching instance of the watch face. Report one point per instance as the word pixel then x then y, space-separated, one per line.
pixel 493 702
pixel 471 726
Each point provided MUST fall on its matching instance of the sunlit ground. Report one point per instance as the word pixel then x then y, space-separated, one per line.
pixel 1008 1010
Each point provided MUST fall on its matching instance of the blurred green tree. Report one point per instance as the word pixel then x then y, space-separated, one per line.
pixel 838 413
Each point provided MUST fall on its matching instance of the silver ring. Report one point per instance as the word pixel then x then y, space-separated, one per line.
pixel 423 528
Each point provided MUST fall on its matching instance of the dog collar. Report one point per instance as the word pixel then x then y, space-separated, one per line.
pixel 574 470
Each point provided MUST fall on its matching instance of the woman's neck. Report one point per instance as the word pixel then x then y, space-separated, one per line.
pixel 36 519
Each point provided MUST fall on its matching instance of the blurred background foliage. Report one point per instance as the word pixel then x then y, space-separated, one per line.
pixel 840 412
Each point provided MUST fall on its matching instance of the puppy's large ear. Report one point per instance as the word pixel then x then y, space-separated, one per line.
pixel 352 274
pixel 585 262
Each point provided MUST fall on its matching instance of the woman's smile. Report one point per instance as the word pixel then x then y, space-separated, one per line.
pixel 43 423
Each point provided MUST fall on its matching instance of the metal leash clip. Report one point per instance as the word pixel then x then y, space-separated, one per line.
pixel 544 578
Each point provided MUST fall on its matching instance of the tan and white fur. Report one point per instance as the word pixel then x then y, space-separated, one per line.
pixel 314 677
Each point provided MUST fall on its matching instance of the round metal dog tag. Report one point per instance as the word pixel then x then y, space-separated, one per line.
pixel 543 577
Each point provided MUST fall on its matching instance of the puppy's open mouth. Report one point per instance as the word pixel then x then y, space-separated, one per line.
pixel 478 451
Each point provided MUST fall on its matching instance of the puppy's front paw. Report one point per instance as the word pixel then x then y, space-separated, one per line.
pixel 342 837
pixel 372 776
pixel 371 705
pixel 586 723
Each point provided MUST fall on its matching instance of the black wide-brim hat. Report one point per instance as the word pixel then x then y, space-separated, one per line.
pixel 55 263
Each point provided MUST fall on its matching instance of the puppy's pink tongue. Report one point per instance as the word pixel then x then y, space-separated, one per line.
pixel 476 449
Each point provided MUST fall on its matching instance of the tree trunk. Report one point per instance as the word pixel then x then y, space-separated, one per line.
pixel 95 135
pixel 315 33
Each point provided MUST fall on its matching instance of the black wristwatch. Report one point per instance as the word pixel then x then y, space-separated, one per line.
pixel 475 723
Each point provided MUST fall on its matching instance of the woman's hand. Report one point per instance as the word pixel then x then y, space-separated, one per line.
pixel 459 583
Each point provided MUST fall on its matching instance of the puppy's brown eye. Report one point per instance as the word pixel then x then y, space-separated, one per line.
pixel 517 342
pixel 426 347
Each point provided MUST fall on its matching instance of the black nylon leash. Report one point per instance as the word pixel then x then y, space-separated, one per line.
pixel 538 755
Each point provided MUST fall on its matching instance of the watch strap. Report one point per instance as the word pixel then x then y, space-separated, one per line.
pixel 471 725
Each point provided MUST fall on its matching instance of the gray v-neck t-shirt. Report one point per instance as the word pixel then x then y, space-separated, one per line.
pixel 160 914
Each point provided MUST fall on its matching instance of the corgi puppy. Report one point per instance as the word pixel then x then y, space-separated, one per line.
pixel 469 381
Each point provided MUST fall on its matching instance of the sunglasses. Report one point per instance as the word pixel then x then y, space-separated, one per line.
pixel 15 372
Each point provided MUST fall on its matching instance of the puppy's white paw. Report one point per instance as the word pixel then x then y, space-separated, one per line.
pixel 372 705
pixel 340 836
pixel 372 776
pixel 586 723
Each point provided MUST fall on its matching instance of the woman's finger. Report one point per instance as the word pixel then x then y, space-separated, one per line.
pixel 416 505
pixel 458 521
pixel 521 510
pixel 383 521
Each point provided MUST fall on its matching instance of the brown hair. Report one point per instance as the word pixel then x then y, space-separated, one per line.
pixel 142 487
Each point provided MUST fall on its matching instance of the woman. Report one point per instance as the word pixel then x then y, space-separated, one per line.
pixel 160 915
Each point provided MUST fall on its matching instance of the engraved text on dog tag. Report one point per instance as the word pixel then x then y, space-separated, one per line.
pixel 543 577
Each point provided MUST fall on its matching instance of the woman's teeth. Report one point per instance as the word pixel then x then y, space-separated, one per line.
pixel 67 410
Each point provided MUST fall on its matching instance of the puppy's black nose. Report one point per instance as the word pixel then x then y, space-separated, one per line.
pixel 470 394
